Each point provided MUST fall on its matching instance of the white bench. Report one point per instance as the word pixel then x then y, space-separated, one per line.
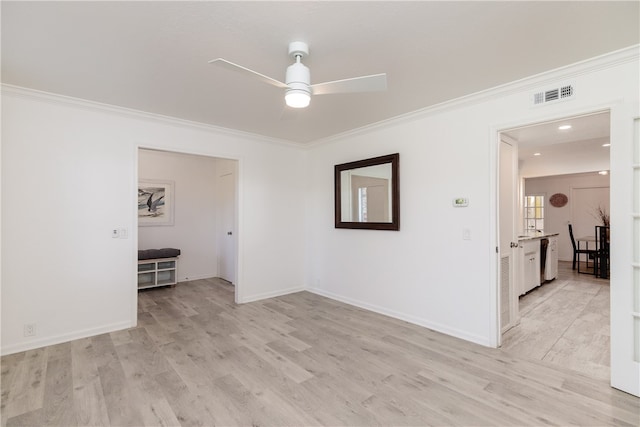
pixel 157 267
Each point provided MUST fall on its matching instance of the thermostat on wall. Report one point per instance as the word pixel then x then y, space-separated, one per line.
pixel 461 202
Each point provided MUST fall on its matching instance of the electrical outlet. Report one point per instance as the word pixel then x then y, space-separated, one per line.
pixel 466 234
pixel 29 329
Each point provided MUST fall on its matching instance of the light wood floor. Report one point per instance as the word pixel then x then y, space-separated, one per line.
pixel 297 360
pixel 565 322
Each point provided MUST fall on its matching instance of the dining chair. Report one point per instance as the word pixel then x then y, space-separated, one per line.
pixel 591 253
pixel 601 267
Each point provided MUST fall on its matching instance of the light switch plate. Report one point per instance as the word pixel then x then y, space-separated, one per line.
pixel 461 202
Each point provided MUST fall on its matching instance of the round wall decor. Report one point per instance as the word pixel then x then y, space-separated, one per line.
pixel 558 200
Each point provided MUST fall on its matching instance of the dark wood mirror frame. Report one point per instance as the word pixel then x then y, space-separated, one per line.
pixel 394 224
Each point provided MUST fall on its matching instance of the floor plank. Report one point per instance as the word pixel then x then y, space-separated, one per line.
pixel 58 393
pixel 565 322
pixel 27 389
pixel 197 359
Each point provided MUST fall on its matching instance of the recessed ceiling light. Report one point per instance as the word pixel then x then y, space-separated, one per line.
pixel 608 144
pixel 564 127
pixel 604 172
pixel 537 154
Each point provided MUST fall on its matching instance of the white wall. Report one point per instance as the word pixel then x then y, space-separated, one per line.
pixel 194 227
pixel 68 179
pixel 556 219
pixel 426 273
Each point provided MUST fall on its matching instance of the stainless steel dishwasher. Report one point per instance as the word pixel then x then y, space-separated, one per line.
pixel 544 244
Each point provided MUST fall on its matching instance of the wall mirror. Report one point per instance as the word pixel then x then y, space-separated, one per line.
pixel 367 193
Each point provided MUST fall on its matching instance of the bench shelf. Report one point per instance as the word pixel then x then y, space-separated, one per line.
pixel 153 273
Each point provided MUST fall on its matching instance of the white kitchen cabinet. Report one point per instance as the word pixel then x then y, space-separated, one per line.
pixel 530 259
pixel 530 263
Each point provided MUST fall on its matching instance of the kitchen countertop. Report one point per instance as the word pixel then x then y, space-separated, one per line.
pixel 532 235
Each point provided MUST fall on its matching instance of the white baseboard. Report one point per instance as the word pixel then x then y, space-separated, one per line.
pixel 45 341
pixel 438 327
pixel 198 277
pixel 58 339
pixel 265 295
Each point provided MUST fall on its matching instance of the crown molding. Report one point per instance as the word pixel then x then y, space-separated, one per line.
pixel 23 92
pixel 534 82
pixel 608 60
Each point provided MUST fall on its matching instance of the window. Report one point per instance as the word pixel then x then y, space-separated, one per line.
pixel 534 212
pixel 362 205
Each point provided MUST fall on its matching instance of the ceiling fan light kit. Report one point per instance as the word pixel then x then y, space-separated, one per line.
pixel 298 87
pixel 298 78
pixel 296 98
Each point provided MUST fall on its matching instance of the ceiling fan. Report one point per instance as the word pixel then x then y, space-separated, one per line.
pixel 297 85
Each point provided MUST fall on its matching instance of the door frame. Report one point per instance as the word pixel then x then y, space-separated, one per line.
pixel 621 129
pixel 238 288
pixel 495 132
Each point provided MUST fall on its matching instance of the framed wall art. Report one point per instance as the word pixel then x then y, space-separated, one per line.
pixel 155 202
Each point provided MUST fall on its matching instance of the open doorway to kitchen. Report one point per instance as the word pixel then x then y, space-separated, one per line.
pixel 561 314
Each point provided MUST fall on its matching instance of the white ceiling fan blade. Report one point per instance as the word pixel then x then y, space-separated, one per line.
pixel 373 83
pixel 235 67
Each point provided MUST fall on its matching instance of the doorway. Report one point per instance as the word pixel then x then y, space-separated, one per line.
pixel 226 219
pixel 568 161
pixel 203 208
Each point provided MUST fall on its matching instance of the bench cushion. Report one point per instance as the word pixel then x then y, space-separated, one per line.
pixel 157 253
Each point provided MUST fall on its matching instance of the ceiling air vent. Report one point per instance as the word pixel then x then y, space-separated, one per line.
pixel 563 92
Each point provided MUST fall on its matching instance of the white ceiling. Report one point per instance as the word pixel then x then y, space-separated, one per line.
pixel 152 56
pixel 575 150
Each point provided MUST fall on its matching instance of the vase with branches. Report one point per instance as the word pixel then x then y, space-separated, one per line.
pixel 602 215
